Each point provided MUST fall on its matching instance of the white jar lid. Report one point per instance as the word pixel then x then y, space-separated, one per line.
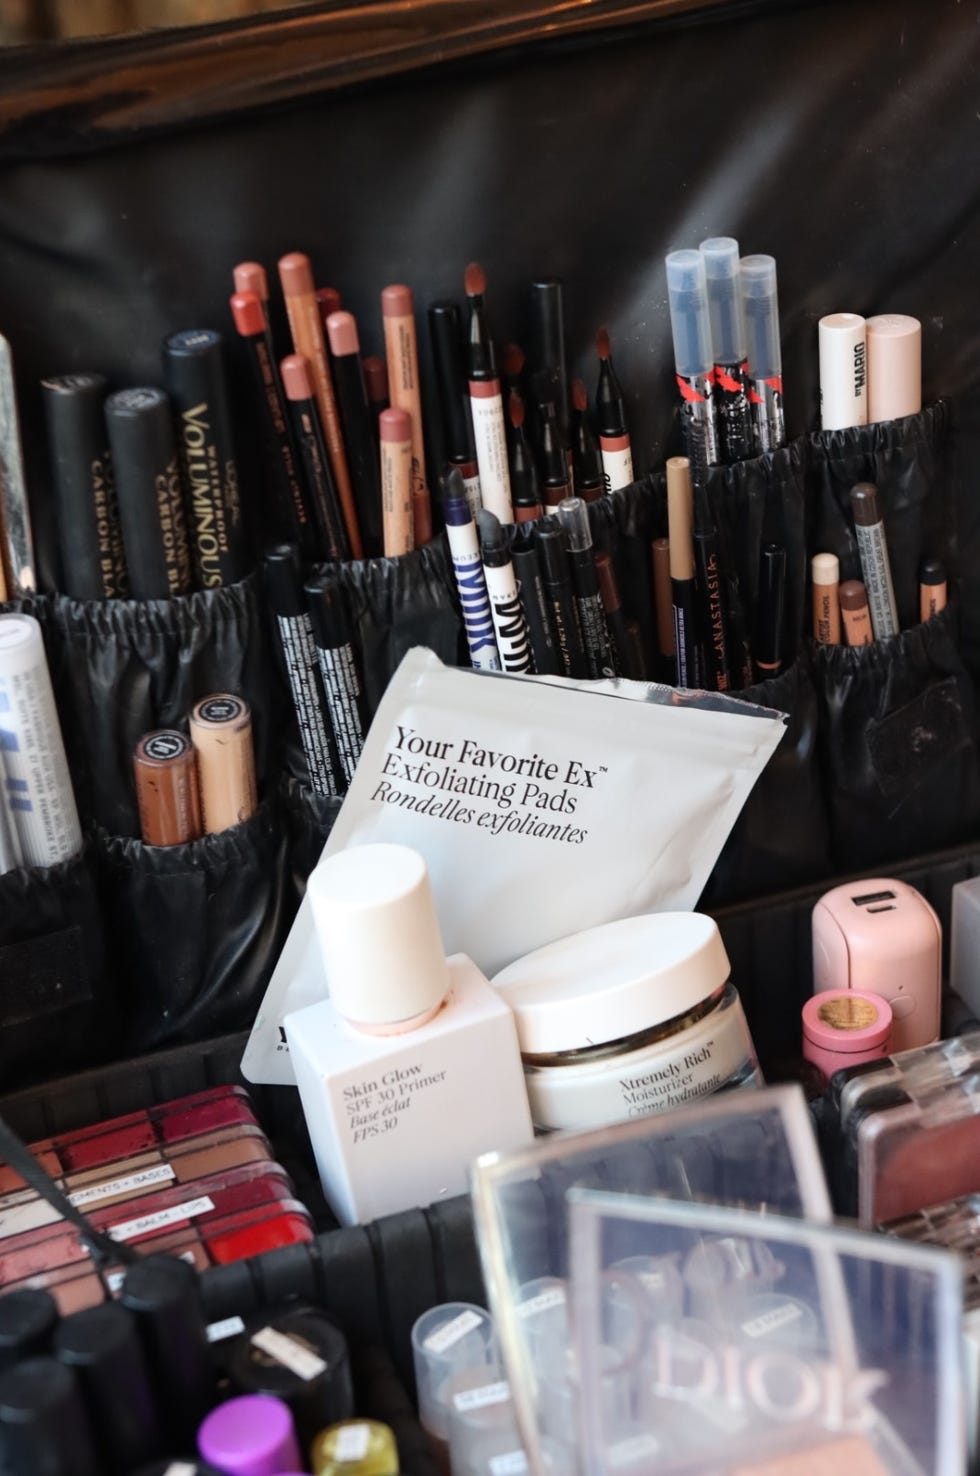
pixel 613 981
pixel 376 922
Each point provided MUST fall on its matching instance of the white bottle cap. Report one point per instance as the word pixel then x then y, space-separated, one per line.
pixel 379 935
pixel 842 343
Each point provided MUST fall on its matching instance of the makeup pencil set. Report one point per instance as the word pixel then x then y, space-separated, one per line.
pixel 145 480
pixel 187 787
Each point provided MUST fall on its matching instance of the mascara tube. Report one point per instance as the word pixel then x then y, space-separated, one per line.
pixel 534 603
pixel 573 516
pixel 690 325
pixel 471 585
pixel 557 579
pixel 760 308
pixel 341 680
pixel 873 550
pixel 509 624
pixel 194 372
pixel 284 588
pixel 151 507
pixel 731 374
pixel 93 564
pixel 680 512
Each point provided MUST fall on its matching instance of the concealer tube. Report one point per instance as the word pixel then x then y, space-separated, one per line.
pixel 825 575
pixel 855 614
pixel 167 794
pixel 221 731
pixel 932 588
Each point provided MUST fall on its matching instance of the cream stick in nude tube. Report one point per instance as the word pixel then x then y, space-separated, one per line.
pixel 401 352
pixel 855 615
pixel 842 339
pixel 825 575
pixel 894 367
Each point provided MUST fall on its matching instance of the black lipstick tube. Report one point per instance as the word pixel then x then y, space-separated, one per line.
pixel 93 563
pixel 148 488
pixel 195 377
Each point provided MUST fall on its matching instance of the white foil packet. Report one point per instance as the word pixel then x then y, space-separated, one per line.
pixel 541 805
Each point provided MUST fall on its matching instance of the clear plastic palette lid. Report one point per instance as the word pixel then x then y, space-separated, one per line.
pixel 791 1349
pixel 754 1149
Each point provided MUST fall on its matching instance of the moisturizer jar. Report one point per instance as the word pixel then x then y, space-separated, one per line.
pixel 630 1018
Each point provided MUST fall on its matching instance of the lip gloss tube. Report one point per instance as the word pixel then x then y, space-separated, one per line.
pixel 842 342
pixel 730 385
pixel 873 549
pixel 825 577
pixel 690 324
pixel 760 306
pixel 855 615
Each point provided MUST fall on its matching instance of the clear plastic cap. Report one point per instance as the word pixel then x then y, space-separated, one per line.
pixel 482 1427
pixel 687 292
pixel 724 303
pixel 814 1376
pixel 447 1341
pixel 760 308
pixel 574 518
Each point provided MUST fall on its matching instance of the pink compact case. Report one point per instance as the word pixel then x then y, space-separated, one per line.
pixel 882 937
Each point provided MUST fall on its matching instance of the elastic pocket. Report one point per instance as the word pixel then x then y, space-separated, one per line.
pixel 898 743
pixel 782 837
pixel 907 461
pixel 309 820
pixel 123 667
pixel 56 1004
pixel 196 928
pixel 397 603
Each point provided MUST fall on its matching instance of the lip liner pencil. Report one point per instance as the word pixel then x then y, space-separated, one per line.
pixel 284 587
pixel 298 385
pixel 395 429
pixel 401 351
pixel 355 415
pixel 610 409
pixel 574 518
pixel 302 309
pixel 556 575
pixel 486 404
pixel 342 684
pixel 251 325
pixel 534 603
pixel 446 336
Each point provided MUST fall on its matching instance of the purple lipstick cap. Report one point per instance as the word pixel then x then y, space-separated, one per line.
pixel 250 1436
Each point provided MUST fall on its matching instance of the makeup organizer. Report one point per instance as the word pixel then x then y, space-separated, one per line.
pixel 121 213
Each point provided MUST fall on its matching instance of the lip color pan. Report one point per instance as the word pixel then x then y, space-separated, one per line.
pixel 122 1138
